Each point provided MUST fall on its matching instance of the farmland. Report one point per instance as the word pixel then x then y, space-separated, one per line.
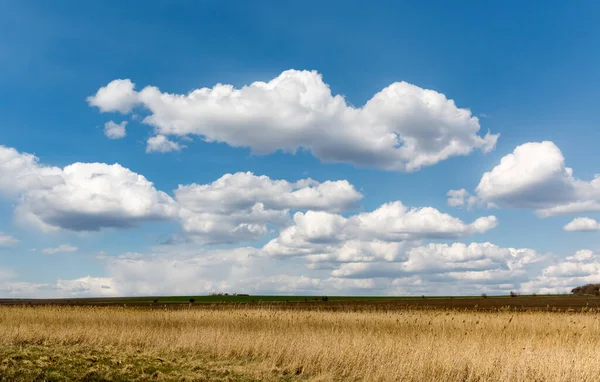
pixel 276 340
pixel 525 302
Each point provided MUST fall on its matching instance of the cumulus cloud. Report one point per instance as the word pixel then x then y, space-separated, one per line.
pixel 187 270
pixel 161 144
pixel 430 269
pixel 241 207
pixel 81 196
pixel 581 268
pixel 460 198
pixel 326 234
pixel 7 240
pixel 403 127
pixel 583 224
pixel 20 172
pixel 63 248
pixel 119 95
pixel 476 261
pixel 114 130
pixel 90 196
pixel 534 177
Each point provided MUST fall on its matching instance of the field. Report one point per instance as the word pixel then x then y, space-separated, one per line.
pixel 525 302
pixel 342 340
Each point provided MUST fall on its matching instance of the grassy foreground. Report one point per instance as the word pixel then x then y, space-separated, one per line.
pixel 62 343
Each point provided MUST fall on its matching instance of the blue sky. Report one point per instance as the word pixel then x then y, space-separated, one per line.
pixel 526 71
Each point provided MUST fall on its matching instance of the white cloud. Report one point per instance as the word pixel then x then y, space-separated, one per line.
pixel 318 233
pixel 161 144
pixel 114 130
pixel 583 224
pixel 81 287
pixel 431 269
pixel 90 196
pixel 20 172
pixel 119 96
pixel 325 236
pixel 580 269
pixel 7 240
pixel 457 261
pixel 460 198
pixel 63 248
pixel 240 207
pixel 403 127
pixel 535 177
pixel 242 190
pixel 81 196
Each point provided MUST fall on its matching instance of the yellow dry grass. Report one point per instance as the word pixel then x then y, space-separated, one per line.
pixel 271 344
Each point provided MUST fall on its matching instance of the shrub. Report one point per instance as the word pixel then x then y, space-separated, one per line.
pixel 192 300
pixel 155 300
pixel 324 298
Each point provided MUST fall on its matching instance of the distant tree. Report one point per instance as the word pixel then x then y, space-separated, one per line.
pixel 513 294
pixel 484 295
pixel 587 289
pixel 192 300
pixel 155 300
pixel 324 298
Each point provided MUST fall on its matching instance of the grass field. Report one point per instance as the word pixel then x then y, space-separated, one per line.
pixel 236 342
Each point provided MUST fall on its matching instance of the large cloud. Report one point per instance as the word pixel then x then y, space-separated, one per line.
pixel 184 270
pixel 579 269
pixel 316 233
pixel 535 177
pixel 20 172
pixel 240 207
pixel 403 127
pixel 476 261
pixel 81 196
pixel 90 196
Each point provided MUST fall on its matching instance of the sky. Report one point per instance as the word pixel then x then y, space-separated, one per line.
pixel 396 148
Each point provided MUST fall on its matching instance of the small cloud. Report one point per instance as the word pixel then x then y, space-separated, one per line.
pixel 101 255
pixel 582 225
pixel 7 240
pixel 162 144
pixel 63 248
pixel 114 130
pixel 460 198
pixel 483 115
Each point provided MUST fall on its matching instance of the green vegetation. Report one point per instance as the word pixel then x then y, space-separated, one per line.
pixel 270 299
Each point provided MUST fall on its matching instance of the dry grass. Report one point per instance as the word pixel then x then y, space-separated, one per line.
pixel 65 343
